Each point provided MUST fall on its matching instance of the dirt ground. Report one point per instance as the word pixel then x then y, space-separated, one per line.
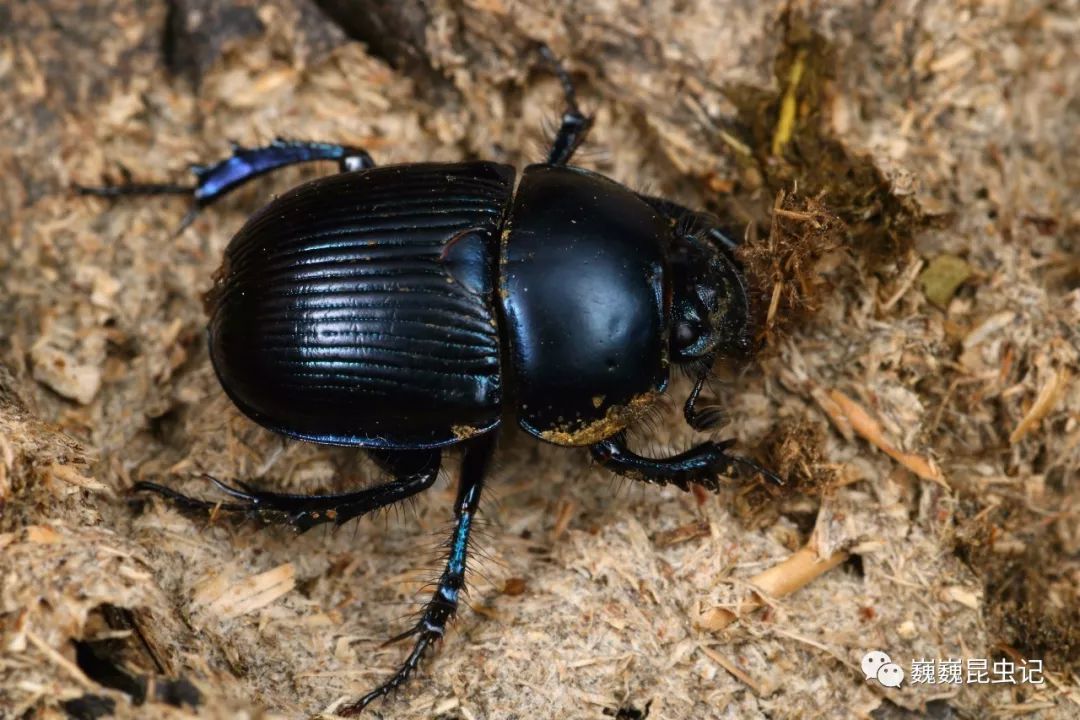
pixel 901 173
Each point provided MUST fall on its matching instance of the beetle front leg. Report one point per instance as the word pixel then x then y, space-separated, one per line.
pixel 216 180
pixel 702 464
pixel 413 472
pixel 704 417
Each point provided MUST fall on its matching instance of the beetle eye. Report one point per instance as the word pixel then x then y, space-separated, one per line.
pixel 686 335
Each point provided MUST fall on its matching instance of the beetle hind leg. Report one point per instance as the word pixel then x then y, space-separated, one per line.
pixel 216 180
pixel 414 472
pixel 702 464
pixel 442 606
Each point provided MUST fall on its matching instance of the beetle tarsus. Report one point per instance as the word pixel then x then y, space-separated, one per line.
pixel 413 473
pixel 186 502
pixel 705 417
pixel 130 188
pixel 442 606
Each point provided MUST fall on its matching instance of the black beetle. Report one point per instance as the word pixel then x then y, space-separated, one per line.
pixel 405 309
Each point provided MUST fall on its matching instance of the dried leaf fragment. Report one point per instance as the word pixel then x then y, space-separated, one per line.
pixel 1044 403
pixel 943 277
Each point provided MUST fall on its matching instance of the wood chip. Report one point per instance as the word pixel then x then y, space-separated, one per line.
pixel 231 600
pixel 989 327
pixel 42 535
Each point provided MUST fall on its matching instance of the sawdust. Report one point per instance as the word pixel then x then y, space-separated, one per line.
pixel 931 444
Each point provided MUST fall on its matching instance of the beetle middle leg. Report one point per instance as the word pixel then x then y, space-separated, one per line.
pixel 701 464
pixel 216 180
pixel 574 124
pixel 692 222
pixel 442 606
pixel 414 472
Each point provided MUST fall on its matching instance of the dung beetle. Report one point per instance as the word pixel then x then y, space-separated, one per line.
pixel 409 308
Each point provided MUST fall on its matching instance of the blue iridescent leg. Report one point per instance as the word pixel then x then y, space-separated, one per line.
pixel 702 464
pixel 574 124
pixel 444 602
pixel 213 182
pixel 413 471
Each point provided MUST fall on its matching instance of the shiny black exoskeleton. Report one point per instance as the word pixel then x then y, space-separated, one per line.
pixel 408 308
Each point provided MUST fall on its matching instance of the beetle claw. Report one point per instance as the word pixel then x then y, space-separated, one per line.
pixel 233 492
pixel 402 635
pixel 760 469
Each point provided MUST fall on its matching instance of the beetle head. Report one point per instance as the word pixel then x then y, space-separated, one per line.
pixel 710 311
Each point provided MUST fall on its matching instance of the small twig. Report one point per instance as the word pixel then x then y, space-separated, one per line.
pixel 736 672
pixel 870 430
pixel 907 279
pixel 794 214
pixel 785 123
pixel 781 579
pixel 60 661
pixel 563 518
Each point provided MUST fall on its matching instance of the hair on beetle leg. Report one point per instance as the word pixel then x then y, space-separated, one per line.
pixel 593 156
pixel 484 559
pixel 649 423
pixel 623 486
pixel 539 140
